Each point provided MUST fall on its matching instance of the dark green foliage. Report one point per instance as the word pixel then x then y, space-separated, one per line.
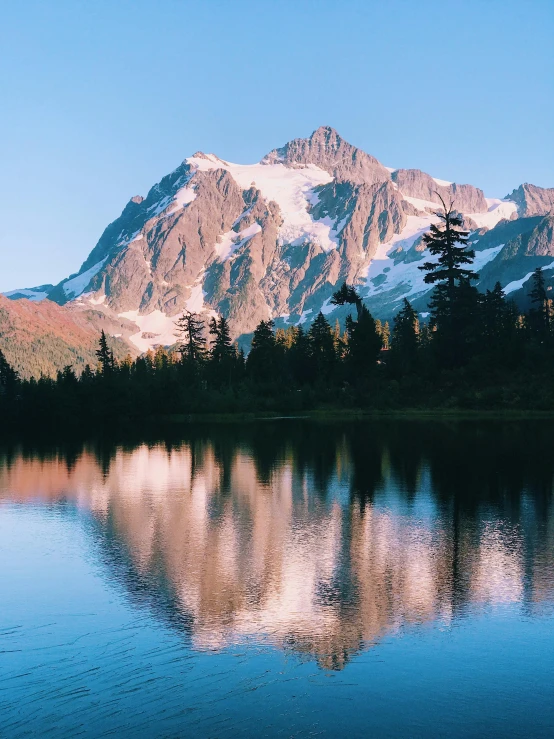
pixel 347 294
pixel 224 363
pixel 321 349
pixel 263 361
pixel 190 329
pixel 475 352
pixel 364 345
pixel 8 376
pixel 222 347
pixel 299 358
pixel 448 242
pixel 500 338
pixel 105 355
pixel 454 303
pixel 405 340
pixel 541 314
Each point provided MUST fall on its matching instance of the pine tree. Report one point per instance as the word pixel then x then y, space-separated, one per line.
pixel 87 375
pixel 383 329
pixel 499 325
pixel 8 376
pixel 322 347
pixel 161 359
pixel 364 343
pixel 126 367
pixel 540 315
pixel 105 355
pixel 223 356
pixel 67 377
pixel 454 304
pixel 347 294
pixel 299 357
pixel 340 340
pixel 405 339
pixel 222 347
pixel 262 362
pixel 190 330
pixel 385 336
pixel 448 242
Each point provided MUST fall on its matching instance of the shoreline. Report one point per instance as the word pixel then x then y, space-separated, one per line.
pixel 359 415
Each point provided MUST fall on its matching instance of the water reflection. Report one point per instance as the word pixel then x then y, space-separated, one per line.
pixel 316 538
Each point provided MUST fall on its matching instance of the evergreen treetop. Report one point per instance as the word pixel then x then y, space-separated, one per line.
pixel 448 241
pixel 190 329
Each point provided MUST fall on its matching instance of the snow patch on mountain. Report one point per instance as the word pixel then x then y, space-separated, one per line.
pixel 155 329
pixel 518 284
pixel 498 211
pixel 122 242
pixel 182 198
pixel 292 190
pixel 423 205
pixel 195 304
pixel 34 295
pixel 327 307
pixel 304 316
pixel 78 284
pixel 233 240
pixel 442 183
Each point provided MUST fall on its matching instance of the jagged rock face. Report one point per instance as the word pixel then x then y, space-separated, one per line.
pixel 532 200
pixel 417 184
pixel 275 239
pixel 157 268
pixel 531 247
pixel 377 215
pixel 326 149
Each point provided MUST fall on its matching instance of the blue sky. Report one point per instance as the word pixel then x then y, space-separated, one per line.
pixel 101 99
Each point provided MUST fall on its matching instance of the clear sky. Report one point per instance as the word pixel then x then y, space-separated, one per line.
pixel 98 100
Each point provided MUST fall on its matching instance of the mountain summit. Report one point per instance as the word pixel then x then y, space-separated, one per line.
pixel 276 238
pixel 327 150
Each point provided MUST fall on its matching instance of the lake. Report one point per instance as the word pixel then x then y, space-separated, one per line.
pixel 280 578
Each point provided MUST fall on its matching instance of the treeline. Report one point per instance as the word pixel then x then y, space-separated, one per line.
pixel 473 351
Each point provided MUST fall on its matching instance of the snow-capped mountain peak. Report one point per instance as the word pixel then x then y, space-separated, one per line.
pixel 274 239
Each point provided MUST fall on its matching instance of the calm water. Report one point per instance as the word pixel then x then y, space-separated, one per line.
pixel 281 579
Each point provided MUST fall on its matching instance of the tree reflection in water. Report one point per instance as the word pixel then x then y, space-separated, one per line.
pixel 320 538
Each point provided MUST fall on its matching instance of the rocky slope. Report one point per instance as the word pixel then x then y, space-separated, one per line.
pixel 38 338
pixel 274 239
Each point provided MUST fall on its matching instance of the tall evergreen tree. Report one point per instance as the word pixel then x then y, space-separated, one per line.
pixel 498 322
pixel 322 348
pixel 190 330
pixel 105 355
pixel 364 344
pixel 453 304
pixel 405 339
pixel 222 347
pixel 299 357
pixel 540 315
pixel 8 376
pixel 448 241
pixel 383 329
pixel 223 357
pixel 262 361
pixel 348 295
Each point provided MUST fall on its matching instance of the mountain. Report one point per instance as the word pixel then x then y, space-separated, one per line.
pixel 274 239
pixel 40 338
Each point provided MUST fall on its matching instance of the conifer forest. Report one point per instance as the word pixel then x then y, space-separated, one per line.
pixel 472 351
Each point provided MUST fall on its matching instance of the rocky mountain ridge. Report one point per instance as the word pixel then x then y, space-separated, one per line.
pixel 274 239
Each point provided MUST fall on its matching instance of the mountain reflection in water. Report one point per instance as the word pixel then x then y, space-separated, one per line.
pixel 320 538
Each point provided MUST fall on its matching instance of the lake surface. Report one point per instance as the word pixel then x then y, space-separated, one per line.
pixel 280 578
